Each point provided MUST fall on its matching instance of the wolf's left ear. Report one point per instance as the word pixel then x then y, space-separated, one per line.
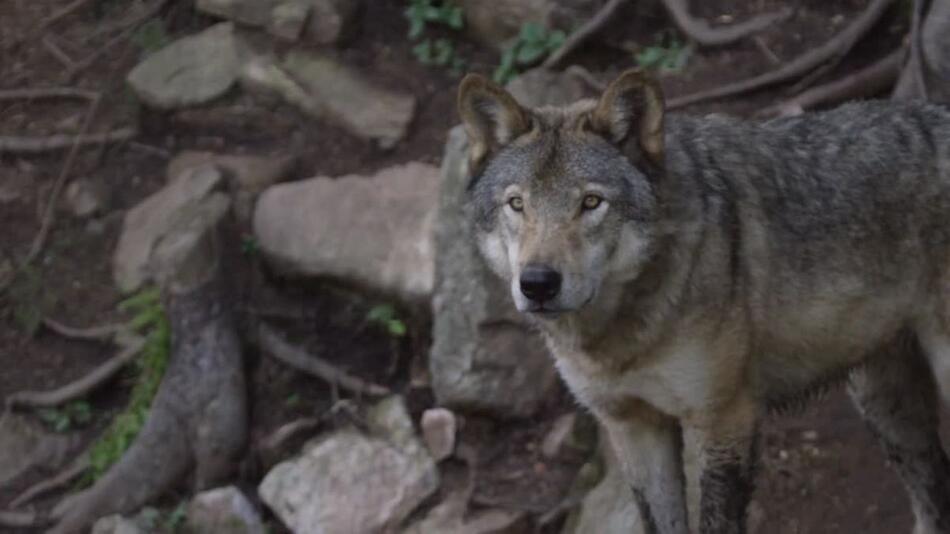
pixel 632 105
pixel 491 116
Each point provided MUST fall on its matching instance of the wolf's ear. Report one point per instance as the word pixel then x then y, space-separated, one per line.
pixel 491 116
pixel 632 105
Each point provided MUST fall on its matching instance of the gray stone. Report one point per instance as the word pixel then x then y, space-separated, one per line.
pixel 245 172
pixel 184 256
pixel 497 22
pixel 116 524
pixel 287 19
pixel 608 508
pixel 25 445
pixel 147 222
pixel 373 231
pixel 484 355
pixel 450 516
pixel 341 95
pixel 247 12
pixel 84 197
pixel 438 431
pixel 540 87
pixel 332 21
pixel 190 71
pixel 349 482
pixel 223 510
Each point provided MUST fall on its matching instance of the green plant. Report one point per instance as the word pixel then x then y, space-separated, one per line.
pixel 385 315
pixel 148 319
pixel 421 12
pixel 67 417
pixel 249 245
pixel 151 36
pixel 668 55
pixel 292 400
pixel 534 43
pixel 440 52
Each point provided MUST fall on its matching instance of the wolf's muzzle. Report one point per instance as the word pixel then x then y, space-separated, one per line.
pixel 540 283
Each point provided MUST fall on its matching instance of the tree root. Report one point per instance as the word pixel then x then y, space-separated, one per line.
pixel 64 477
pixel 868 81
pixel 198 419
pixel 836 46
pixel 47 92
pixel 703 34
pixel 279 348
pixel 38 145
pixel 80 388
pixel 94 333
pixel 20 519
pixel 578 37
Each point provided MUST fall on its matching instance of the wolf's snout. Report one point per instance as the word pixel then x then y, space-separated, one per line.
pixel 540 282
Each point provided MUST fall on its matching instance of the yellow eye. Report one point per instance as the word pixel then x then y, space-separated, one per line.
pixel 591 202
pixel 516 203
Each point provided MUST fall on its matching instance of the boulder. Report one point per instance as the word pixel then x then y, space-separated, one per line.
pixel 374 231
pixel 541 87
pixel 116 524
pixel 496 22
pixel 332 21
pixel 350 482
pixel 190 71
pixel 450 516
pixel 438 431
pixel 484 355
pixel 223 510
pixel 320 22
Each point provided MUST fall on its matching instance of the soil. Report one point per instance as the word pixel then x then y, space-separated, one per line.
pixel 821 471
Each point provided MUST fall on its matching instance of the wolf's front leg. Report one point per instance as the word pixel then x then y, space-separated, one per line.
pixel 648 445
pixel 727 442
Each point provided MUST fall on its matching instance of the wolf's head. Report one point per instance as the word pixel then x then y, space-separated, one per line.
pixel 563 203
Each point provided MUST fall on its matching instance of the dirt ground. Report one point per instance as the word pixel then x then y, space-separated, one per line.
pixel 820 473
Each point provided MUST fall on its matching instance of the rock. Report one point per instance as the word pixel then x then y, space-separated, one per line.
pixel 223 510
pixel 180 260
pixel 339 94
pixel 609 508
pixel 287 20
pixel 450 516
pixel 349 482
pixel 190 71
pixel 484 355
pixel 496 521
pixel 556 440
pixel 332 21
pixel 147 222
pixel 438 431
pixel 86 196
pixel 496 22
pixel 375 231
pixel 247 12
pixel 540 87
pixel 25 445
pixel 249 173
pixel 116 524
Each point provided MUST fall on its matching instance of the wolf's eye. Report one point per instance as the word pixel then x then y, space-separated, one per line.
pixel 591 202
pixel 516 203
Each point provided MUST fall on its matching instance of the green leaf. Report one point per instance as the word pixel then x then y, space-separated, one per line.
pixel 556 40
pixel 397 328
pixel 455 20
pixel 529 53
pixel 432 13
pixel 416 27
pixel 423 52
pixel 531 32
pixel 381 313
pixel 443 52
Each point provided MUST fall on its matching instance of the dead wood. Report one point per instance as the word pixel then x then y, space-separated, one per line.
pixel 866 82
pixel 837 45
pixel 274 344
pixel 198 422
pixel 578 37
pixel 701 32
pixel 80 388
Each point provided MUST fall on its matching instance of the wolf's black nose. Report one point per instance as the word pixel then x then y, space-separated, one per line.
pixel 540 282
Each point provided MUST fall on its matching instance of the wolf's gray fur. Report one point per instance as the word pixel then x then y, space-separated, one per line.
pixel 689 272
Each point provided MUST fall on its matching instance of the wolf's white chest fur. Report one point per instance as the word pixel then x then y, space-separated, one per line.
pixel 674 380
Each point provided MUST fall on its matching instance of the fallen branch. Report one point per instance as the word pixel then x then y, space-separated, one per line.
pixel 577 38
pixel 47 92
pixel 37 145
pixel 80 388
pixel 63 478
pixel 865 82
pixel 838 45
pixel 274 343
pixel 95 333
pixel 704 34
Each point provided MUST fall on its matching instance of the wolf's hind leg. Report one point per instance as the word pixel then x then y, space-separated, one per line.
pixel 897 398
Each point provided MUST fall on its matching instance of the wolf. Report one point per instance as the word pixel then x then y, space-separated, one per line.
pixel 690 274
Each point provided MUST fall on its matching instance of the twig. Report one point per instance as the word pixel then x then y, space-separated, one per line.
pixel 49 216
pixel 57 52
pixel 766 51
pixel 867 81
pixel 274 441
pixel 804 63
pixel 299 359
pixel 47 92
pixel 95 333
pixel 577 38
pixel 81 387
pixel 38 145
pixel 67 10
pixel 703 34
pixel 64 477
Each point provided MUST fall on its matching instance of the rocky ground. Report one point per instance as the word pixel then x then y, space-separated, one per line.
pixel 385 384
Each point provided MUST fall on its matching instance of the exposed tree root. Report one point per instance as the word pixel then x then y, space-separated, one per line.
pixel 703 34
pixel 197 422
pixel 57 52
pixel 834 47
pixel 38 145
pixel 94 333
pixel 47 92
pixel 279 348
pixel 578 37
pixel 80 388
pixel 59 480
pixel 20 519
pixel 865 82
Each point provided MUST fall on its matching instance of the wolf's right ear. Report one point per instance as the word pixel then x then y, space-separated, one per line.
pixel 491 116
pixel 632 106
